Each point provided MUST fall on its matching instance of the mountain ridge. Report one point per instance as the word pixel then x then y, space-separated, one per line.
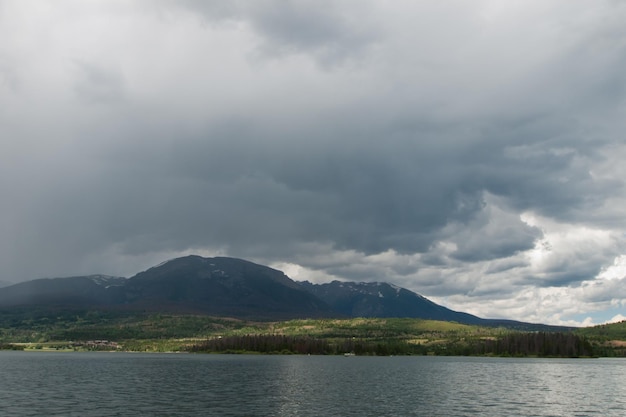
pixel 224 286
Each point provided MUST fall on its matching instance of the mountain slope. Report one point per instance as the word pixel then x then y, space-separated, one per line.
pixel 5 283
pixel 81 291
pixel 379 299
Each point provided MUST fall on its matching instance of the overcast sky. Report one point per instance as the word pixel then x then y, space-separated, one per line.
pixel 470 151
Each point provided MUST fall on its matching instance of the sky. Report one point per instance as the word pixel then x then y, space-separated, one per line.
pixel 471 152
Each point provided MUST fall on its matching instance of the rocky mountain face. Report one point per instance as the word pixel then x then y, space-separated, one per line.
pixel 231 287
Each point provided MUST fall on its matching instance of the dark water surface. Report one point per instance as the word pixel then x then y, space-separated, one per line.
pixel 135 384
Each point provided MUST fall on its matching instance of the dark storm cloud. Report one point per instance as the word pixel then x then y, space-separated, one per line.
pixel 256 193
pixel 259 193
pixel 368 196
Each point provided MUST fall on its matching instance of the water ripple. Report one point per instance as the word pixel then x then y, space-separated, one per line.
pixel 120 384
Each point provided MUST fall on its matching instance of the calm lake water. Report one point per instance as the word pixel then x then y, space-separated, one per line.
pixel 135 384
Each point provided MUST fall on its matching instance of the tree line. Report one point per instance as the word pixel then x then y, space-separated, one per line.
pixel 538 344
pixel 542 344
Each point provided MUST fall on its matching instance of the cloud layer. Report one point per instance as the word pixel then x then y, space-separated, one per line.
pixel 471 152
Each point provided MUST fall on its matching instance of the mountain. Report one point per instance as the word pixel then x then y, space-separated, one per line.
pixel 221 286
pixel 192 284
pixel 379 299
pixel 232 287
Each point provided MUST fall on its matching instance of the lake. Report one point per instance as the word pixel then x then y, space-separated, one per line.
pixel 137 384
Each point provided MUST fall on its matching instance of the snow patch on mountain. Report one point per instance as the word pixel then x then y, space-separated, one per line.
pixel 107 281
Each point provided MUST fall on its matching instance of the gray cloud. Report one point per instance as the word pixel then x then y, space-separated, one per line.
pixel 330 31
pixel 94 84
pixel 435 146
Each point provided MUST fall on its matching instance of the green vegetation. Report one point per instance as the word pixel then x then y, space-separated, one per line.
pixel 136 331
pixel 608 340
